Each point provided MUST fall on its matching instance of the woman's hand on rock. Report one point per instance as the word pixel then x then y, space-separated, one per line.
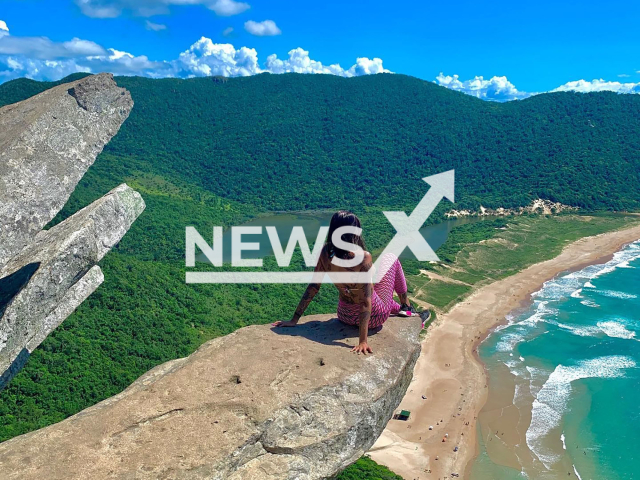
pixel 280 323
pixel 363 348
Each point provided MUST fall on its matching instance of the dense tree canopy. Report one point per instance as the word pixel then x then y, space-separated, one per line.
pixel 295 141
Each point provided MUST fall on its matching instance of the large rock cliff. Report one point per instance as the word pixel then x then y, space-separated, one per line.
pixel 261 403
pixel 47 143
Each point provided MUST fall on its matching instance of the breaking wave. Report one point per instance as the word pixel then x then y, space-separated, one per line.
pixel 551 401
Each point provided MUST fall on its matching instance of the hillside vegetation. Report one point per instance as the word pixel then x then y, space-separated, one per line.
pixel 212 151
pixel 287 142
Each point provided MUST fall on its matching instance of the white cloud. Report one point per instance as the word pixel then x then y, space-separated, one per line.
pixel 124 63
pixel 92 8
pixel 148 8
pixel 4 30
pixel 42 59
pixel 227 31
pixel 226 8
pixel 623 75
pixel 266 28
pixel 497 89
pixel 156 27
pixel 600 85
pixel 366 66
pixel 500 89
pixel 119 63
pixel 205 58
pixel 14 67
pixel 300 62
pixel 44 48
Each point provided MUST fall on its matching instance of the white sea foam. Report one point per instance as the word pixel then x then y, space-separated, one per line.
pixel 564 444
pixel 620 259
pixel 576 472
pixel 511 364
pixel 580 330
pixel 616 330
pixel 518 393
pixel 589 303
pixel 616 294
pixel 542 311
pixel 570 285
pixel 508 342
pixel 537 378
pixel 551 401
pixel 610 328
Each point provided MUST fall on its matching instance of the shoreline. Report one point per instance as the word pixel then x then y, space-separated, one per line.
pixel 451 375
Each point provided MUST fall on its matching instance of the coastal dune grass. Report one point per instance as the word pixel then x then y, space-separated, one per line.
pixel 503 249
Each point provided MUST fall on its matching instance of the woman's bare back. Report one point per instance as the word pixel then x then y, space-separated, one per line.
pixel 355 293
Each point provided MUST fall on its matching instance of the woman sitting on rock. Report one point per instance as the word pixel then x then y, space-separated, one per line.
pixel 360 303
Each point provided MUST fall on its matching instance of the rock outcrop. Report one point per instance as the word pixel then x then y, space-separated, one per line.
pixel 47 143
pixel 261 403
pixel 538 206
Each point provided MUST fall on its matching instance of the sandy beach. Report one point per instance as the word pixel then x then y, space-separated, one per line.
pixel 452 378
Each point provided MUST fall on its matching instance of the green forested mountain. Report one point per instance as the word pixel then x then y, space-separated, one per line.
pixel 213 151
pixel 310 141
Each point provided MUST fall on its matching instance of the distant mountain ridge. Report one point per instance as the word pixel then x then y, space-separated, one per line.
pixel 289 142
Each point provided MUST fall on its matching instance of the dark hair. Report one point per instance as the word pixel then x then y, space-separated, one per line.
pixel 339 219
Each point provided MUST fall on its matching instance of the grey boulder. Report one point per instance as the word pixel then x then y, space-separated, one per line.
pixel 260 403
pixel 47 143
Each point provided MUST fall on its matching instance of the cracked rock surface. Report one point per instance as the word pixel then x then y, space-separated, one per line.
pixel 260 403
pixel 47 143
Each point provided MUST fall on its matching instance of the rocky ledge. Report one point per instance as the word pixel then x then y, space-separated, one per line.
pixel 261 403
pixel 47 143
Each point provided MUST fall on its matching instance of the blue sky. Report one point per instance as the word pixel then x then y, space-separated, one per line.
pixel 517 48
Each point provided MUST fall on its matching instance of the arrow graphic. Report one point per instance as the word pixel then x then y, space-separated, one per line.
pixel 408 235
pixel 408 227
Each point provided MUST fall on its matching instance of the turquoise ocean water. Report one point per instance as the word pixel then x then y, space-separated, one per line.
pixel 574 356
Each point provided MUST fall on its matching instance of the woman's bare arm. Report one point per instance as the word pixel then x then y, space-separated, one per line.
pixel 307 296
